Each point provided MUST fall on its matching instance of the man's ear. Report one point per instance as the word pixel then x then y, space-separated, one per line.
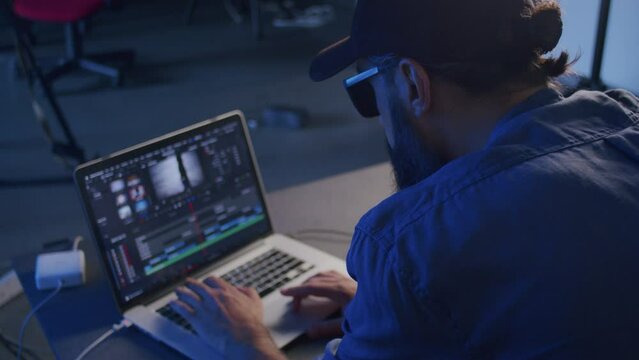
pixel 416 87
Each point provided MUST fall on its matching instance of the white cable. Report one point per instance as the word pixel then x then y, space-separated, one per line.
pixel 23 328
pixel 317 235
pixel 76 242
pixel 320 239
pixel 115 328
pixel 324 231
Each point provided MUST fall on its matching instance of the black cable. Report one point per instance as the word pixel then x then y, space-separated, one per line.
pixel 9 345
pixel 25 322
pixel 12 346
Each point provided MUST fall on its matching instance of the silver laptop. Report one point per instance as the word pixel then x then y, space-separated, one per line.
pixel 192 203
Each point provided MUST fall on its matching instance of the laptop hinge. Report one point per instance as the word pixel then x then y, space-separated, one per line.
pixel 227 259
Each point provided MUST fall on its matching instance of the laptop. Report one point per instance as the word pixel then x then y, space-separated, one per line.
pixel 191 204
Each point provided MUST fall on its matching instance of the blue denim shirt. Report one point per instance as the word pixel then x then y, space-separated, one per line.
pixel 528 248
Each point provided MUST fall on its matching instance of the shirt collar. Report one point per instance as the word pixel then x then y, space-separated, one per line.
pixel 537 100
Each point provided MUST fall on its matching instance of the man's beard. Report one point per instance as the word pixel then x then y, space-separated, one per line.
pixel 412 161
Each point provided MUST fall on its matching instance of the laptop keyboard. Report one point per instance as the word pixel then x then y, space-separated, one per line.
pixel 266 273
pixel 170 314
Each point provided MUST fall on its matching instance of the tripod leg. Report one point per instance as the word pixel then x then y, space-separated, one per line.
pixel 256 19
pixel 71 148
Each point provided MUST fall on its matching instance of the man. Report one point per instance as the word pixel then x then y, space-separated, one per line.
pixel 514 233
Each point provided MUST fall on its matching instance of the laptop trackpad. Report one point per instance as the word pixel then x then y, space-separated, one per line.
pixel 286 325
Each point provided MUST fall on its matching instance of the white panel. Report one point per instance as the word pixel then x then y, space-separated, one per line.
pixel 621 59
pixel 10 287
pixel 580 31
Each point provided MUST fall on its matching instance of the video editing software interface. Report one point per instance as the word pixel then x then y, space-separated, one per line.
pixel 164 213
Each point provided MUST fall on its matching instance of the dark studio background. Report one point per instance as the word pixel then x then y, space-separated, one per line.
pixel 186 73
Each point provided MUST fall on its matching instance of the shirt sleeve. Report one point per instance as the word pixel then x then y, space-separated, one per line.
pixel 373 326
pixel 386 319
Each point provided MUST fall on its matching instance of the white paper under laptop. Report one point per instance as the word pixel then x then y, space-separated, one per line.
pixel 191 203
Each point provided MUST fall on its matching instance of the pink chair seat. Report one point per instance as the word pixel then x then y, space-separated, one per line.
pixel 58 11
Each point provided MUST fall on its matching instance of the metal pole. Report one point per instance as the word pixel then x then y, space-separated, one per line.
pixel 600 44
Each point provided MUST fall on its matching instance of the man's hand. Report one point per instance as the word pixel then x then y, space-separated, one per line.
pixel 331 285
pixel 217 310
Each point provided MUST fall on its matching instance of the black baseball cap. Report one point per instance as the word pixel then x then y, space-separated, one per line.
pixel 440 32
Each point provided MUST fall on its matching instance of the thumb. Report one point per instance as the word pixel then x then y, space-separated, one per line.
pixel 326 329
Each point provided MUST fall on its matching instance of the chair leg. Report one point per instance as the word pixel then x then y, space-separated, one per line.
pixel 99 68
pixel 112 72
pixel 85 26
pixel 126 57
pixel 73 41
pixel 77 59
pixel 60 70
pixel 95 63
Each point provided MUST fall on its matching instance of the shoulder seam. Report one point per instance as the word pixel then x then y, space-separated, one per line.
pixel 572 144
pixel 379 239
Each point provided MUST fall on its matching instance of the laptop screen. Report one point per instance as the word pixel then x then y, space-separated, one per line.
pixel 167 208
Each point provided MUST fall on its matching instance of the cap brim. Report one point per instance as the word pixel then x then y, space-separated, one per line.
pixel 333 59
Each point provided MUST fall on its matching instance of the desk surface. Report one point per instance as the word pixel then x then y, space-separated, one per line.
pixel 78 316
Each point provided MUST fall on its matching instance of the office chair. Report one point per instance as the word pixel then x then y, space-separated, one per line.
pixel 72 13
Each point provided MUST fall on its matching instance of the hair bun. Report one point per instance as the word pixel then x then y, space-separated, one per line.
pixel 545 27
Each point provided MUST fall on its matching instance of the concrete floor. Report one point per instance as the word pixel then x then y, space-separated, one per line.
pixel 183 74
